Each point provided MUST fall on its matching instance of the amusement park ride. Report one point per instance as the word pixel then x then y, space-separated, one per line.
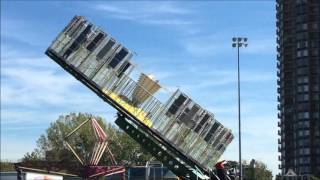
pixel 180 133
pixel 89 168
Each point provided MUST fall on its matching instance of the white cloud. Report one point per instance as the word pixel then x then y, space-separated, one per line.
pixel 34 85
pixel 31 85
pixel 14 116
pixel 34 92
pixel 261 46
pixel 219 78
pixel 13 149
pixel 161 13
pixel 144 9
pixel 21 30
pixel 202 47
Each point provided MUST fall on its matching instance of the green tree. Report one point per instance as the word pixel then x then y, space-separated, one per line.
pixel 256 170
pixel 51 146
pixel 314 178
pixel 6 166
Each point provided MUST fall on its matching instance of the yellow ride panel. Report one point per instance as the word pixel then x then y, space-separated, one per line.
pixel 137 112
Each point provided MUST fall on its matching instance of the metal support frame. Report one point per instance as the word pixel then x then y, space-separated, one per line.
pixel 164 154
pixel 99 147
pixel 79 126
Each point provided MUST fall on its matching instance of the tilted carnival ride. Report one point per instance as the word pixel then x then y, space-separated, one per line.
pixel 180 133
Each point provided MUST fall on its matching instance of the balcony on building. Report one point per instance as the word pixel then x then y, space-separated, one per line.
pixel 279 123
pixel 278 98
pixel 279 107
pixel 279 141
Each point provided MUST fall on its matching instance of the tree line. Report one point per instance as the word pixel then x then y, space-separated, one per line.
pixel 51 146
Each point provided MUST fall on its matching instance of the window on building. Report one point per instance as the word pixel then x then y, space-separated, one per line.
pixel 314 43
pixel 306 132
pixel 304 169
pixel 301 1
pixel 303 88
pixel 299 53
pixel 302 71
pixel 314 52
pixel 302 27
pixel 303 133
pixel 302 44
pixel 304 160
pixel 301 18
pixel 305 52
pixel 302 62
pixel 304 143
pixel 302 97
pixel 315 26
pixel 304 151
pixel 303 124
pixel 302 35
pixel 303 106
pixel 303 115
pixel 303 79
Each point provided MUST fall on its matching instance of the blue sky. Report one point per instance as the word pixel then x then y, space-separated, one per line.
pixel 184 44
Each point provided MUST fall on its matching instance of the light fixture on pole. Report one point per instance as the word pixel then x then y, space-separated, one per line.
pixel 238 42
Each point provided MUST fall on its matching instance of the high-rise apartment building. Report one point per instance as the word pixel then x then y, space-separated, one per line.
pixel 298 39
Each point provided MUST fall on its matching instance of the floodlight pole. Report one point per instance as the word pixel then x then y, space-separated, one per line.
pixel 238 42
pixel 239 117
